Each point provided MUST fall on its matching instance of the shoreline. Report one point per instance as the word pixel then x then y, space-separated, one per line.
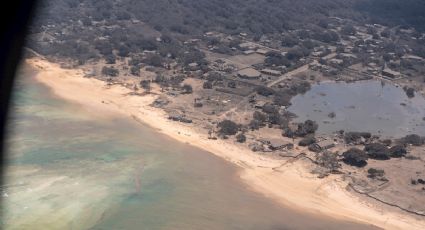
pixel 292 185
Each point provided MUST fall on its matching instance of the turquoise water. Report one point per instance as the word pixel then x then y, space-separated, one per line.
pixel 69 169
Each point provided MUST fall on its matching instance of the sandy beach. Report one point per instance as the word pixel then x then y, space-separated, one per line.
pixel 291 184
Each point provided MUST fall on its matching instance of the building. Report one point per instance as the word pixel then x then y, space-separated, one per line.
pixel 271 72
pixel 248 52
pixel 275 144
pixel 249 73
pixel 262 51
pixel 336 61
pixel 389 73
pixel 412 58
pixel 248 45
pixel 326 144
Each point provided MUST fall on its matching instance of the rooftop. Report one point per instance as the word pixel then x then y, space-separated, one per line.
pixel 249 73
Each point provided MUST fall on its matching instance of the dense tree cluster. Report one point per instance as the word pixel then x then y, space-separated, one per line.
pixel 306 141
pixel 377 151
pixel 355 157
pixel 110 71
pixel 274 58
pixel 355 137
pixel 308 127
pixel 398 151
pixel 412 139
pixel 328 160
pixel 264 91
pixel 97 28
pixel 397 12
pixel 187 89
pixel 227 127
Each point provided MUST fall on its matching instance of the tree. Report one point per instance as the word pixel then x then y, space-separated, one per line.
pixel 123 51
pixel 260 117
pixel 354 137
pixel 227 127
pixel 264 91
pixel 306 141
pixel 146 85
pixel 269 108
pixel 187 89
pixel 274 58
pixel 154 60
pixel 289 41
pixel 412 139
pixel 323 23
pixel 231 84
pixel 277 119
pixel 147 44
pixel 308 127
pixel 282 98
pixel 398 151
pixel 287 132
pixel 241 138
pixel 387 57
pixel 377 151
pixel 255 124
pixel 207 85
pixel 376 173
pixel 110 71
pixel 410 92
pixel 300 88
pixel 110 59
pixel 328 160
pixel 355 157
pixel 386 33
pixel 295 53
pixel 135 70
pixel 348 30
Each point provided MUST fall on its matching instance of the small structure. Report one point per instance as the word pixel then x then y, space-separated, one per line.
pixel 271 72
pixel 336 61
pixel 260 104
pixel 193 66
pixel 317 54
pixel 276 144
pixel 248 45
pixel 249 73
pixel 326 144
pixel 262 51
pixel 412 58
pixel 248 52
pixel 389 73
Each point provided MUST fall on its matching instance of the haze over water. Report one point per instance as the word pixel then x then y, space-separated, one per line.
pixel 70 169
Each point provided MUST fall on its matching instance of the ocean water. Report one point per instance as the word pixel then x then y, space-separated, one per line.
pixel 371 106
pixel 70 169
